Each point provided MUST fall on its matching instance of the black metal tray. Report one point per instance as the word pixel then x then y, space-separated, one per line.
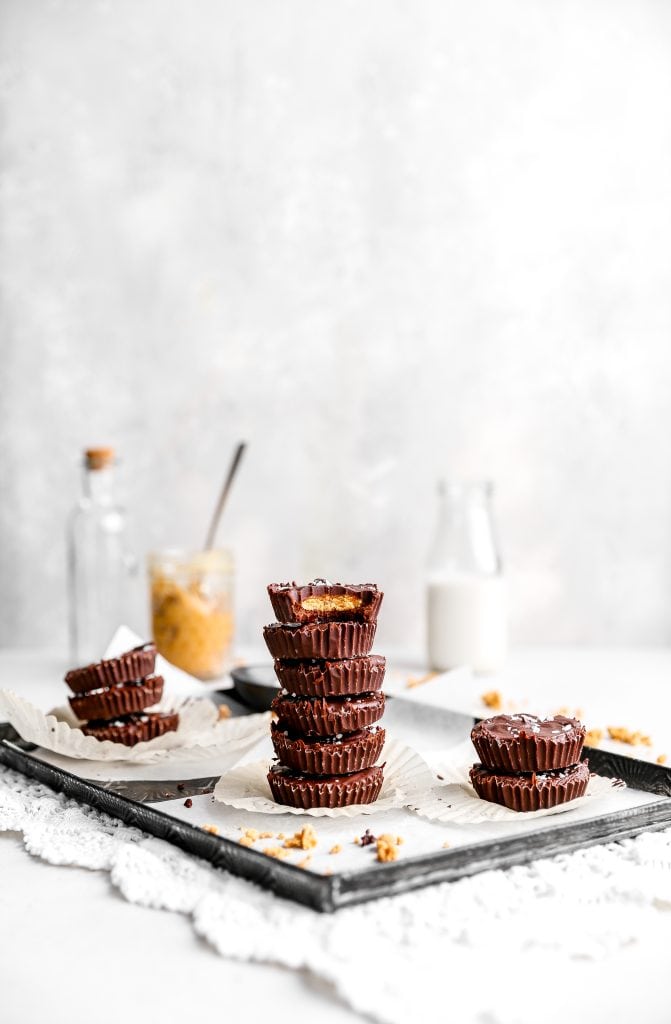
pixel 128 801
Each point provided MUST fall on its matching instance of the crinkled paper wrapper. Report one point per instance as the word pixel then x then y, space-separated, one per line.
pixel 454 800
pixel 406 778
pixel 201 735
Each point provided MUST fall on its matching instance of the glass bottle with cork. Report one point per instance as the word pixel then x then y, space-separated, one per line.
pixel 101 568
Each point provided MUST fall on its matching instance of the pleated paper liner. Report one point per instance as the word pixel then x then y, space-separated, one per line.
pixel 406 778
pixel 199 730
pixel 454 800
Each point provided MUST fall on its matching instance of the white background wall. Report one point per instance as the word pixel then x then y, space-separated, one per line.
pixel 381 240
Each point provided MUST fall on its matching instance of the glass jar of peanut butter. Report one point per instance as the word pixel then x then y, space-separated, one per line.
pixel 192 609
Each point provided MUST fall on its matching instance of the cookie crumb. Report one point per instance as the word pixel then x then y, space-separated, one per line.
pixel 593 737
pixel 661 759
pixel 367 839
pixel 265 835
pixel 304 863
pixel 336 849
pixel 212 829
pixel 446 845
pixel 633 737
pixel 399 840
pixel 386 848
pixel 224 712
pixel 357 841
pixel 275 851
pixel 245 841
pixel 419 680
pixel 305 839
pixel 492 699
pixel 327 872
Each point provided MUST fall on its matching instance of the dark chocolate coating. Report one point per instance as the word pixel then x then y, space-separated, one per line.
pixel 321 640
pixel 351 752
pixel 115 701
pixel 531 792
pixel 525 743
pixel 296 790
pixel 332 678
pixel 320 601
pixel 132 729
pixel 134 664
pixel 328 716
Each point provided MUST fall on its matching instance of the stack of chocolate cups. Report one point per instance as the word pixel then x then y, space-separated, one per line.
pixel 529 763
pixel 326 736
pixel 111 698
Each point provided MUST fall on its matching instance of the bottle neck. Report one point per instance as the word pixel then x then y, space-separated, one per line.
pixel 98 485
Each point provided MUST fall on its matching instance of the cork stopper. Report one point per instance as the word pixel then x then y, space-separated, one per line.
pixel 98 458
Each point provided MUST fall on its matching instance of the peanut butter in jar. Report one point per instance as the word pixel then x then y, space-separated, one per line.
pixel 192 609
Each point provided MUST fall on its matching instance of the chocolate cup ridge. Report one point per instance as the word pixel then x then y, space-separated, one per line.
pixel 320 601
pixel 134 664
pixel 531 792
pixel 352 753
pixel 525 743
pixel 294 789
pixel 328 716
pixel 133 728
pixel 320 640
pixel 332 678
pixel 116 701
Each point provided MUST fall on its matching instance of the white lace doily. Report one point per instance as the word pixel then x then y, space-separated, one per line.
pixel 394 960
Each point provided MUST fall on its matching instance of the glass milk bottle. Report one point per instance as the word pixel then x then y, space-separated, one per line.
pixel 466 595
pixel 101 570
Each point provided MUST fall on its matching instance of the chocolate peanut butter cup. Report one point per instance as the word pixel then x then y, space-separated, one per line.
pixel 525 743
pixel 132 729
pixel 321 640
pixel 533 791
pixel 321 601
pixel 116 701
pixel 297 790
pixel 134 664
pixel 333 755
pixel 327 716
pixel 332 678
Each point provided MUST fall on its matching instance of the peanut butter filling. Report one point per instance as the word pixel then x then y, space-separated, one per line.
pixel 331 603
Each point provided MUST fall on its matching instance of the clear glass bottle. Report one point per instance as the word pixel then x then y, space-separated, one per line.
pixel 466 593
pixel 101 568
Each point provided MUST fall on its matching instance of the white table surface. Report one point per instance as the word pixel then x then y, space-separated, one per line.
pixel 47 977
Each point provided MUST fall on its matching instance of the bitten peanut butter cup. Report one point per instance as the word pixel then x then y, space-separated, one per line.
pixel 328 716
pixel 332 678
pixel 321 601
pixel 296 790
pixel 116 701
pixel 531 792
pixel 525 743
pixel 334 755
pixel 320 640
pixel 132 729
pixel 134 664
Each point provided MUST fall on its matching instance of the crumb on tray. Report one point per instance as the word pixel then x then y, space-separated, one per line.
pixel 212 829
pixel 633 737
pixel 492 699
pixel 275 851
pixel 593 737
pixel 305 839
pixel 387 848
pixel 336 849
